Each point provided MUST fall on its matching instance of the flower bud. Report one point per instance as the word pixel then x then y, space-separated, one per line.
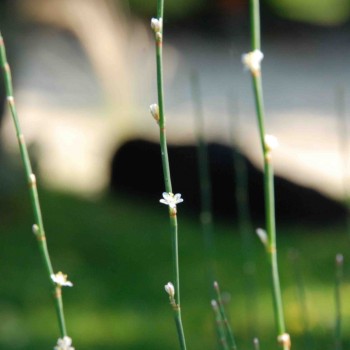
pixel 169 288
pixel 157 25
pixel 284 340
pixel 252 61
pixel 35 229
pixel 262 236
pixel 154 109
pixel 271 142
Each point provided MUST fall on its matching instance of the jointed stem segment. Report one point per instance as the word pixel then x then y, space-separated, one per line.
pixel 38 227
pixel 157 25
pixel 283 337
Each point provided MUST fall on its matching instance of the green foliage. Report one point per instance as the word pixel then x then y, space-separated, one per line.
pixel 323 12
pixel 116 252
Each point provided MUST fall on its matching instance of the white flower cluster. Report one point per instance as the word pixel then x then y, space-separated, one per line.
pixel 171 199
pixel 64 344
pixel 252 61
pixel 61 280
pixel 157 25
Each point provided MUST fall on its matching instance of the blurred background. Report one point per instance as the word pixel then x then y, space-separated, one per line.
pixel 84 76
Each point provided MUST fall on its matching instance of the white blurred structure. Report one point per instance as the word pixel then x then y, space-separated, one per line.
pixel 85 83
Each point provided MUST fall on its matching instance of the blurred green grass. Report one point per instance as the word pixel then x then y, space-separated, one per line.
pixel 117 251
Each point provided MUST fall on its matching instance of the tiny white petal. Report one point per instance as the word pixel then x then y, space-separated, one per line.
pixel 178 198
pixel 167 196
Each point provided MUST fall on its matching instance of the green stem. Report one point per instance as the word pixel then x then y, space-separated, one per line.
pixel 244 225
pixel 162 120
pixel 337 297
pixel 226 323
pixel 38 227
pixel 256 344
pixel 206 217
pixel 268 182
pixel 220 326
pixel 295 262
pixel 167 177
pixel 255 24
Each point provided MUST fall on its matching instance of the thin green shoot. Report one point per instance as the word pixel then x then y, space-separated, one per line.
pixel 252 61
pixel 227 326
pixel 168 197
pixel 56 280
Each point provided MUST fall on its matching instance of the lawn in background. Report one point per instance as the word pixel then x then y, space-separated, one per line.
pixel 117 252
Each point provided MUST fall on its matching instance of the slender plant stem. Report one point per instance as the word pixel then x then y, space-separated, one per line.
pixel 220 326
pixel 206 217
pixel 244 223
pixel 283 337
pixel 227 325
pixel 38 227
pixel 162 120
pixel 295 262
pixel 337 296
pixel 166 173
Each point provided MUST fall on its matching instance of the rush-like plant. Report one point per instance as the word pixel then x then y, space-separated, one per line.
pixel 170 199
pixel 252 62
pixel 57 280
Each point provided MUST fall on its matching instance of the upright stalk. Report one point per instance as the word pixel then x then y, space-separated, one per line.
pixel 339 260
pixel 227 326
pixel 220 327
pixel 206 217
pixel 252 60
pixel 38 227
pixel 244 224
pixel 295 262
pixel 157 25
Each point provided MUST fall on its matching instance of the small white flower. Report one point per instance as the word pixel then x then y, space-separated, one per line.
pixel 271 142
pixel 171 199
pixel 157 25
pixel 61 280
pixel 284 340
pixel 169 288
pixel 64 344
pixel 262 236
pixel 154 109
pixel 252 61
